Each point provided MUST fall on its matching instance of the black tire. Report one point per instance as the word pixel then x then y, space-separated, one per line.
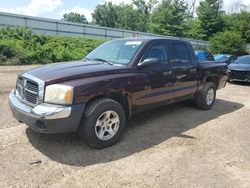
pixel 200 99
pixel 87 127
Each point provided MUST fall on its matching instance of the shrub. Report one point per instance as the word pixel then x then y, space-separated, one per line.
pixel 228 42
pixel 19 46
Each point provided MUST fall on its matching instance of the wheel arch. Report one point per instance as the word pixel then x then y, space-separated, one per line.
pixel 214 79
pixel 121 98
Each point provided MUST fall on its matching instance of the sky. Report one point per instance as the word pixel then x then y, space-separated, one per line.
pixel 56 8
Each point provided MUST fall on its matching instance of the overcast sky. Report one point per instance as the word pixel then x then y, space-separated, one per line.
pixel 56 8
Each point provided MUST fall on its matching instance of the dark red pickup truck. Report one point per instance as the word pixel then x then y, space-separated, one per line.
pixel 96 95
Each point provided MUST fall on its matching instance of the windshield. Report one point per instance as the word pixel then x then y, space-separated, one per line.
pixel 220 57
pixel 116 51
pixel 243 60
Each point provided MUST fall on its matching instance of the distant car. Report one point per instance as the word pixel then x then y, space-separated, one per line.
pixel 225 58
pixel 204 56
pixel 240 69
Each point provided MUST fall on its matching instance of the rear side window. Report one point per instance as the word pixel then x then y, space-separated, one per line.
pixel 181 53
pixel 209 57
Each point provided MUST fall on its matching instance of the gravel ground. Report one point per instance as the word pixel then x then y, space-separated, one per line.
pixel 173 146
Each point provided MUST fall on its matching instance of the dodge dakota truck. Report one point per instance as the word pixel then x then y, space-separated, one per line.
pixel 96 95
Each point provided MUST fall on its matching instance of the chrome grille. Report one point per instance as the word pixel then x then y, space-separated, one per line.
pixel 32 86
pixel 27 90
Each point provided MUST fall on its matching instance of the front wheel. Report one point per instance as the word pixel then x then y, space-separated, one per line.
pixel 206 97
pixel 103 123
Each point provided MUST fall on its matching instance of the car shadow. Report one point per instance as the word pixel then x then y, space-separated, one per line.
pixel 144 130
pixel 240 83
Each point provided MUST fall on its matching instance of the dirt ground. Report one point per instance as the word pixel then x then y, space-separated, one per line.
pixel 173 146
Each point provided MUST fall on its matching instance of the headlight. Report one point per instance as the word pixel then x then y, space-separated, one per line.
pixel 59 94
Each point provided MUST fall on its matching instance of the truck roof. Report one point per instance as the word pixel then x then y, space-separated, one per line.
pixel 145 39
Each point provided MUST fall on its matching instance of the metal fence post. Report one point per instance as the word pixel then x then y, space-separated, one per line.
pixel 25 22
pixel 57 32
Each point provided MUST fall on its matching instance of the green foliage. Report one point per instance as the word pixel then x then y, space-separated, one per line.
pixel 19 46
pixel 75 17
pixel 210 15
pixel 133 16
pixel 7 54
pixel 125 15
pixel 228 42
pixel 172 17
pixel 194 29
pixel 143 10
pixel 227 33
pixel 239 22
pixel 105 15
pixel 16 33
pixel 169 18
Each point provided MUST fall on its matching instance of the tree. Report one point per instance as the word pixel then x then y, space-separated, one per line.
pixel 127 18
pixel 169 18
pixel 143 10
pixel 210 15
pixel 105 15
pixel 75 17
pixel 193 29
pixel 239 22
pixel 228 42
pixel 133 16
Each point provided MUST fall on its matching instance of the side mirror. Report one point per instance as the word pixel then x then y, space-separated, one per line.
pixel 149 62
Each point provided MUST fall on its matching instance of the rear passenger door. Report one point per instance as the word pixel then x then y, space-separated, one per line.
pixel 184 69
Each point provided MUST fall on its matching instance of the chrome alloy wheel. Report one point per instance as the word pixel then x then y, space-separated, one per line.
pixel 210 96
pixel 107 125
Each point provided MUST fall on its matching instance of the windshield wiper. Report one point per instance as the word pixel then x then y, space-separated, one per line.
pixel 86 59
pixel 103 60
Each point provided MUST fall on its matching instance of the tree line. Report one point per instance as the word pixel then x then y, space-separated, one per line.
pixel 226 33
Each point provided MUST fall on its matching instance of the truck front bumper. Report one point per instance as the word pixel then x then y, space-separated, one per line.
pixel 47 118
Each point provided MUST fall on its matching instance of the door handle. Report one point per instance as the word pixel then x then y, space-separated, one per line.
pixel 193 70
pixel 168 73
pixel 181 76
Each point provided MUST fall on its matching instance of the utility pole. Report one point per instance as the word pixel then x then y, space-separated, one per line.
pixel 192 7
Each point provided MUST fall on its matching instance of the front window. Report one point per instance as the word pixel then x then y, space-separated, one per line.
pixel 158 50
pixel 116 51
pixel 243 60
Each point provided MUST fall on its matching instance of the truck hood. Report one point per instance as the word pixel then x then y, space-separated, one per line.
pixel 60 72
pixel 240 67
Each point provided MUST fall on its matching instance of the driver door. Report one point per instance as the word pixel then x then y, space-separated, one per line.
pixel 157 77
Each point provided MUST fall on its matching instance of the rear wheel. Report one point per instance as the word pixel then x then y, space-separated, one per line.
pixel 206 97
pixel 103 123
